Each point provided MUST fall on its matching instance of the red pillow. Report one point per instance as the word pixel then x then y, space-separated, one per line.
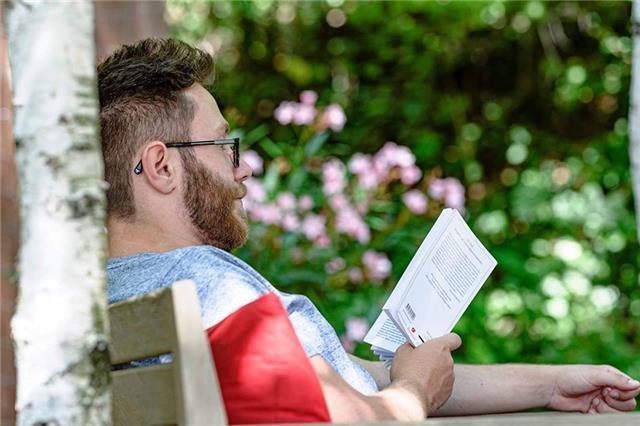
pixel 264 373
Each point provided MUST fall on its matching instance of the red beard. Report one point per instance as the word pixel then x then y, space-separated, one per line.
pixel 211 205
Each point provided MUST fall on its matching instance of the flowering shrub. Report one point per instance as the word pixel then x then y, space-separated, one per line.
pixel 340 218
pixel 532 123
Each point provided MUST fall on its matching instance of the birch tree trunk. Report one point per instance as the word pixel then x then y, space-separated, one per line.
pixel 634 112
pixel 59 329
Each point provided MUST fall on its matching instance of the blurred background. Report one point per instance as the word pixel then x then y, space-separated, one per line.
pixel 364 120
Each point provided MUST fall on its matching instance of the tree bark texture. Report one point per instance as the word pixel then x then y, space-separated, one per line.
pixel 634 111
pixel 9 235
pixel 60 327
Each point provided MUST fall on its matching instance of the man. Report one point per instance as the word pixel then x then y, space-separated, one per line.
pixel 175 212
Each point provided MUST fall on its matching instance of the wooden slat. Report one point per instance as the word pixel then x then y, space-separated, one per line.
pixel 144 396
pixel 194 363
pixel 185 391
pixel 141 327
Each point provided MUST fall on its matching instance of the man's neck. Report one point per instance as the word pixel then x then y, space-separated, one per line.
pixel 130 238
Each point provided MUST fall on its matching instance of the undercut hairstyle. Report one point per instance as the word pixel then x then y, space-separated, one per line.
pixel 140 87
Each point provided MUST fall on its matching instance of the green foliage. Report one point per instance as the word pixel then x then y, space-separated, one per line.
pixel 524 102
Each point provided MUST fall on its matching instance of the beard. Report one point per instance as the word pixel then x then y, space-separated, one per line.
pixel 211 205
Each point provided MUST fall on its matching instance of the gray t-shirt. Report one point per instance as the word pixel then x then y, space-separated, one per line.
pixel 226 283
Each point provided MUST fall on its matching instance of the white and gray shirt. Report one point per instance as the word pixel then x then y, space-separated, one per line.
pixel 226 283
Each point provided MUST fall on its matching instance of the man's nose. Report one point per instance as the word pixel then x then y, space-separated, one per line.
pixel 243 171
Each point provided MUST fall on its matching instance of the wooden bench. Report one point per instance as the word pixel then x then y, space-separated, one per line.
pixel 186 392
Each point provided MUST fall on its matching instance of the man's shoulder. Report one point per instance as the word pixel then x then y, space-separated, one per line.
pixel 214 271
pixel 214 264
pixel 205 258
pixel 224 282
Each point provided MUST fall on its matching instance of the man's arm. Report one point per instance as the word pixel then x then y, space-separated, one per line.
pixel 377 370
pixel 348 405
pixel 482 389
pixel 420 380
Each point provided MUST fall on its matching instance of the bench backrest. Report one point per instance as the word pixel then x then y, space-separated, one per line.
pixel 184 391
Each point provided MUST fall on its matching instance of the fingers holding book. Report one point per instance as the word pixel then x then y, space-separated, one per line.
pixel 427 369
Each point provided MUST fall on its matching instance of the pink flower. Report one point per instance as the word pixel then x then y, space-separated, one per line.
pixel 416 201
pixel 393 155
pixel 403 157
pixel 308 97
pixel 437 189
pixel 360 164
pixel 449 189
pixel 286 201
pixel 455 200
pixel 410 175
pixel 254 161
pixel 323 241
pixel 357 328
pixel 335 265
pixel 267 213
pixel 338 202
pixel 333 177
pixel 388 153
pixel 368 180
pixel 349 222
pixel 313 226
pixel 347 344
pixel 377 264
pixel 355 275
pixel 284 112
pixel 383 160
pixel 255 190
pixel 333 169
pixel 305 203
pixel 304 114
pixel 363 233
pixel 334 118
pixel 290 222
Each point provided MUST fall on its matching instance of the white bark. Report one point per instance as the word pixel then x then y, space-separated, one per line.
pixel 634 112
pixel 60 324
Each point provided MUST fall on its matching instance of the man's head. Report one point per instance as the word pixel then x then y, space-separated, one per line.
pixel 152 93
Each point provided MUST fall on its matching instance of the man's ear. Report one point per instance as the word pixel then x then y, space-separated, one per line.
pixel 159 168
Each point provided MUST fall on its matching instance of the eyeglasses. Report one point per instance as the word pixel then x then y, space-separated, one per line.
pixel 234 142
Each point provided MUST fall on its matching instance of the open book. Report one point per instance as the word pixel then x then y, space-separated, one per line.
pixel 441 280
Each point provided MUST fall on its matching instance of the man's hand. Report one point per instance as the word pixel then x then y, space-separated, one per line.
pixel 427 369
pixel 592 389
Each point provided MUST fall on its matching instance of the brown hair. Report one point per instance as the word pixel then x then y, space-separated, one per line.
pixel 141 99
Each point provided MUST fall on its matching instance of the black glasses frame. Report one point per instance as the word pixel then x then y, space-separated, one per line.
pixel 235 142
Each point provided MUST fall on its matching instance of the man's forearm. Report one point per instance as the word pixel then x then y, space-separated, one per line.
pixel 480 389
pixel 377 370
pixel 346 405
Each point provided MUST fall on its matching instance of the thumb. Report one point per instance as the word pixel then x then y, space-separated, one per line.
pixel 452 340
pixel 610 376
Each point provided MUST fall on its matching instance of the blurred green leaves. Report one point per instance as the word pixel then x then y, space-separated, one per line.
pixel 524 102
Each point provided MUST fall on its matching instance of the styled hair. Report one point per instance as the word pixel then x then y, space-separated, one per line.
pixel 140 87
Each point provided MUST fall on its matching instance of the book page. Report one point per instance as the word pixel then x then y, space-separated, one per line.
pixel 393 303
pixel 384 334
pixel 443 284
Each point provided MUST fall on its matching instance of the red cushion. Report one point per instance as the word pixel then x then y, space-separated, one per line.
pixel 264 373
